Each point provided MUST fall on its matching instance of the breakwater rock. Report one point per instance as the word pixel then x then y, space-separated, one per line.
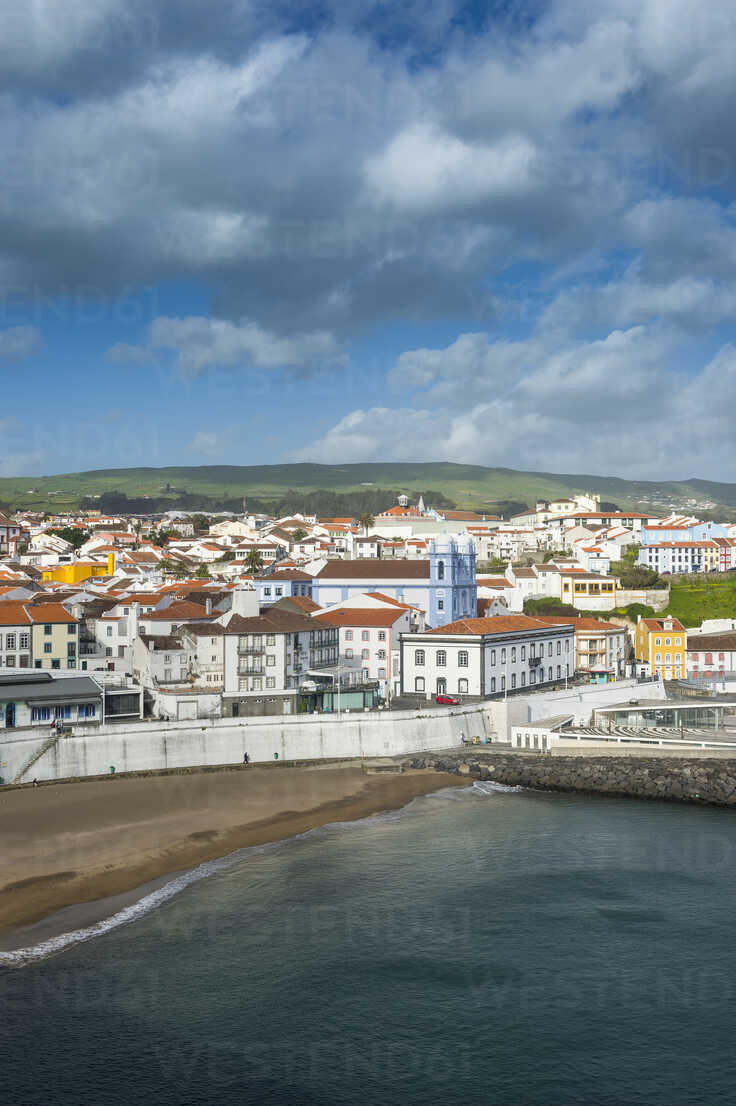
pixel 711 782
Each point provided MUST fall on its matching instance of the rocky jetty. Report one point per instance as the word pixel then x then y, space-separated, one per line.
pixel 706 781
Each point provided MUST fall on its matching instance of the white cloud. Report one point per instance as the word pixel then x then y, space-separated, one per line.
pixel 209 443
pixel 204 343
pixel 18 343
pixel 424 169
pixel 609 406
pixel 122 353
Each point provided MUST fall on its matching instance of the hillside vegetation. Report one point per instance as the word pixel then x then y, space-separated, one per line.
pixel 473 486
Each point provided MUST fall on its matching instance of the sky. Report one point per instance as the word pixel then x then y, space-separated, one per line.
pixel 253 231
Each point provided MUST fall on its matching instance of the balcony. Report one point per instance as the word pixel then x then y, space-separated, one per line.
pixel 534 661
pixel 251 650
pixel 251 670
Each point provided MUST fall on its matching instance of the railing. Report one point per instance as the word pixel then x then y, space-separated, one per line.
pixel 251 649
pixel 251 670
pixel 533 661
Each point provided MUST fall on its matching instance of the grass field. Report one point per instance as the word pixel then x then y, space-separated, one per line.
pixel 467 485
pixel 711 596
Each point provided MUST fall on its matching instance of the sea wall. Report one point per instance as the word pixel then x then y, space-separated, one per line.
pixel 710 781
pixel 143 746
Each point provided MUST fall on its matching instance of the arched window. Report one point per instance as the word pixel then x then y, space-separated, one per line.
pixel 418 656
pixel 440 570
pixel 462 658
pixel 709 658
pixel 513 654
pixel 549 671
pixel 441 658
pixel 419 683
pixel 462 687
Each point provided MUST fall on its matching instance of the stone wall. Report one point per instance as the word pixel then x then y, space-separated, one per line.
pixel 676 779
pixel 656 598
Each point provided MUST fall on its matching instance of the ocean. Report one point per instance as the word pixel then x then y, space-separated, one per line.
pixel 486 945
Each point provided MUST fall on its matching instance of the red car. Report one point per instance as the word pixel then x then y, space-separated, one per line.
pixel 447 700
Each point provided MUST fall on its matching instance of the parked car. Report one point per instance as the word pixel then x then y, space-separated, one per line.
pixel 447 700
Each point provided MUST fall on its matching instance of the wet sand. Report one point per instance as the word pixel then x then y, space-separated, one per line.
pixel 75 853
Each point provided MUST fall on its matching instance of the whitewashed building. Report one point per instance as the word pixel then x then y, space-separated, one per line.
pixel 480 657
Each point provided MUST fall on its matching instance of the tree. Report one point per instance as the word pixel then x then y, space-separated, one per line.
pixel 202 573
pixel 72 534
pixel 366 521
pixel 299 535
pixel 254 561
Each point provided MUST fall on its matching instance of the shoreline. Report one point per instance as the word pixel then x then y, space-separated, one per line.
pixel 77 857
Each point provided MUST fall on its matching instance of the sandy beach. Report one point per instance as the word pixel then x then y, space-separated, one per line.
pixel 74 853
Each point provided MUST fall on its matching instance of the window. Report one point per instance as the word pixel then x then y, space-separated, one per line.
pixel 365 654
pixel 56 663
pixel 381 654
pixel 270 681
pixel 419 683
pixel 10 641
pixel 71 628
pixel 549 673
pixel 365 635
pixel 503 683
pixel 440 570
pixel 559 671
pixel 348 653
pixel 109 631
pixel 658 641
pixel 270 639
pixel 10 660
pixel 709 658
pixel 567 645
pixel 493 656
pixel 503 656
pixel 382 673
pixel 441 658
pixel 513 654
pixel 559 648
pixel 266 591
pixel 270 661
pixel 532 677
pixel 47 628
pixel 462 658
pixel 381 635
pixel 257 683
pixel 462 687
pixel 47 647
pixel 71 649
pixel 513 679
pixel 523 679
pixel 523 652
pixel 440 604
pixel 418 656
pixel 493 684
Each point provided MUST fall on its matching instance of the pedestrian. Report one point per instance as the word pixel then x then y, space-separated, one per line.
pixel 246 758
pixel 35 783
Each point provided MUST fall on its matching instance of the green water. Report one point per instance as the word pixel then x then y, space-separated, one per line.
pixel 509 948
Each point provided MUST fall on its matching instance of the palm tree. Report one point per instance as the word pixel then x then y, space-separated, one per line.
pixel 366 521
pixel 254 561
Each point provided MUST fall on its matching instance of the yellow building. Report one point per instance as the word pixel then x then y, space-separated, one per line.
pixel 588 590
pixel 660 643
pixel 54 636
pixel 78 571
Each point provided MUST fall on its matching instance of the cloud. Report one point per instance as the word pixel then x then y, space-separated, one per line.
pixel 614 405
pixel 18 343
pixel 209 443
pixel 122 353
pixel 203 343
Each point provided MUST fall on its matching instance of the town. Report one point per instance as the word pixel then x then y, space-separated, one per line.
pixel 115 619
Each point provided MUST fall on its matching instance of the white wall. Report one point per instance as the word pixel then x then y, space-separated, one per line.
pixel 158 745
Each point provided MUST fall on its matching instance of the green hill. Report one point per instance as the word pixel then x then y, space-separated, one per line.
pixel 465 485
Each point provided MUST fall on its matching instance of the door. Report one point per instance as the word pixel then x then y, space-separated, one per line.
pixel 10 716
pixel 442 686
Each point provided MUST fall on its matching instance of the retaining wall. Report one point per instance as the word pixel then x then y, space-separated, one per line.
pixel 166 745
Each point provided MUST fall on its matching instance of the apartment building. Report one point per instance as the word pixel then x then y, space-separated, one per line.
pixel 480 657
pixel 370 638
pixel 660 647
pixel 41 635
pixel 277 663
pixel 681 557
pixel 600 647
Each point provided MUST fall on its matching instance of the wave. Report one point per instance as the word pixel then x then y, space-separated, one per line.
pixel 19 958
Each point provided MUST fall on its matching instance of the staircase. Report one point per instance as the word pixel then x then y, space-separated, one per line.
pixel 48 744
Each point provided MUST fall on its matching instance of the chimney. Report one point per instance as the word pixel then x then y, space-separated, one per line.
pixel 208 605
pixel 245 601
